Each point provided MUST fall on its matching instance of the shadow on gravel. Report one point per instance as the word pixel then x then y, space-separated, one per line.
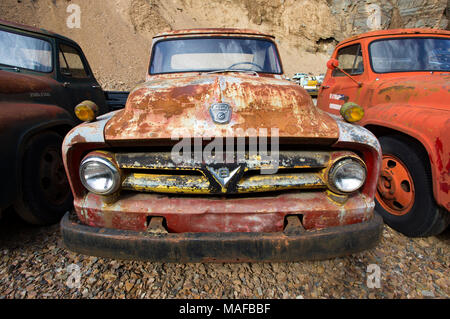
pixel 15 233
pixel 445 236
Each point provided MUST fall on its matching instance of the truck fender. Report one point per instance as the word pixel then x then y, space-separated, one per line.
pixel 19 122
pixel 429 127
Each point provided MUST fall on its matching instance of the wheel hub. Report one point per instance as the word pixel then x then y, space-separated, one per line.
pixel 395 189
pixel 53 179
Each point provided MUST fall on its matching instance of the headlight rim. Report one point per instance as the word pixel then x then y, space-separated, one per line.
pixel 338 163
pixel 109 164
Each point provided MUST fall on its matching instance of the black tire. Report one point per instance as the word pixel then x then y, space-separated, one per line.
pixel 45 192
pixel 425 218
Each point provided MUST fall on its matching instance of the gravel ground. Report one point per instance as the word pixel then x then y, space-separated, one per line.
pixel 33 264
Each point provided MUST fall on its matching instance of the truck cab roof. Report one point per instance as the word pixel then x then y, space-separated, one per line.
pixel 212 31
pixel 394 32
pixel 40 31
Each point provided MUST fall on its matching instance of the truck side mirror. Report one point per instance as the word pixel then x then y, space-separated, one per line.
pixel 332 64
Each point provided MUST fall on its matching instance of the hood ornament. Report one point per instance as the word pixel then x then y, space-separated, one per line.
pixel 223 175
pixel 220 113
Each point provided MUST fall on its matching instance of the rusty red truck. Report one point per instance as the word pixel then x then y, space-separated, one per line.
pixel 43 76
pixel 401 79
pixel 217 157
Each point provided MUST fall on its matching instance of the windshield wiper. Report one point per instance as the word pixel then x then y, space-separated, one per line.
pixel 233 70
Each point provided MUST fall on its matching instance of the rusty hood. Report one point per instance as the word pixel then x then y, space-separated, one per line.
pixel 167 107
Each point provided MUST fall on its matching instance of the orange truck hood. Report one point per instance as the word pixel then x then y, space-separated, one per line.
pixel 426 90
pixel 168 105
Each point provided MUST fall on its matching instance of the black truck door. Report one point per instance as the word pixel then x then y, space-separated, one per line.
pixel 77 78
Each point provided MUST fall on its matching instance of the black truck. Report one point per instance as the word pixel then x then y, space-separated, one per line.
pixel 43 76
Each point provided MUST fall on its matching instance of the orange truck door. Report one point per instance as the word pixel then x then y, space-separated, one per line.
pixel 339 88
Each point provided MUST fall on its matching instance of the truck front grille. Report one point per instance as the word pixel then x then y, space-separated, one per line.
pixel 157 172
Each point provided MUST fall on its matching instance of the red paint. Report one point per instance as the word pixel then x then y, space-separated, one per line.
pixel 215 214
pixel 413 103
pixel 439 151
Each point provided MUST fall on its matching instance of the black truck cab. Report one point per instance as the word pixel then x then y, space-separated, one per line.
pixel 43 76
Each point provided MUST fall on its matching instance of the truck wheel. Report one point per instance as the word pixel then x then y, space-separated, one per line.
pixel 404 196
pixel 45 191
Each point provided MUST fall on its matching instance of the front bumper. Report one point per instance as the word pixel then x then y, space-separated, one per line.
pixel 293 245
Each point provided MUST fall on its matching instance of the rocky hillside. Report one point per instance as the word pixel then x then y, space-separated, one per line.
pixel 116 34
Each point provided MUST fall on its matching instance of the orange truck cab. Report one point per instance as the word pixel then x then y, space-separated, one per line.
pixel 401 80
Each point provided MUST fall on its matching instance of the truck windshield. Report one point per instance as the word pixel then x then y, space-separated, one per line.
pixel 410 54
pixel 25 52
pixel 214 54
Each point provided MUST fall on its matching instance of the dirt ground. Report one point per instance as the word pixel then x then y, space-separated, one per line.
pixel 33 264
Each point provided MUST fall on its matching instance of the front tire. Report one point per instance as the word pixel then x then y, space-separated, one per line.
pixel 45 192
pixel 404 195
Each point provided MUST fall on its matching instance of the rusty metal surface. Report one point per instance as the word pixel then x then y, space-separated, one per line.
pixel 295 244
pixel 25 84
pixel 169 106
pixel 87 132
pixel 157 172
pixel 212 31
pixel 223 214
pixel 76 144
pixel 357 138
pixel 162 160
pixel 188 184
pixel 178 105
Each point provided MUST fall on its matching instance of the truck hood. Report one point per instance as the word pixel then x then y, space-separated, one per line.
pixel 424 90
pixel 168 107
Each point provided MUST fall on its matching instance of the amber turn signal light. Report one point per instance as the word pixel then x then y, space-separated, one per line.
pixel 86 111
pixel 352 112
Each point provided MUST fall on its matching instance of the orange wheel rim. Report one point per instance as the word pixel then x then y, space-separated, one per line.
pixel 395 189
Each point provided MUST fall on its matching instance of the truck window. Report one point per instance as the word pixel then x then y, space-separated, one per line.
pixel 410 55
pixel 25 52
pixel 211 54
pixel 350 60
pixel 70 63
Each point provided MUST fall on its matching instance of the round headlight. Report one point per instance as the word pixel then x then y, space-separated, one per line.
pixel 99 175
pixel 347 175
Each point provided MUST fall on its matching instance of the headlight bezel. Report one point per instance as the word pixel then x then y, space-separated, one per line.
pixel 338 164
pixel 115 173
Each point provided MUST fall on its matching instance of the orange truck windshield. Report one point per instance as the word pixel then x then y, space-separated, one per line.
pixel 410 54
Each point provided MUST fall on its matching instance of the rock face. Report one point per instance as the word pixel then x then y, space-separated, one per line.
pixel 360 16
pixel 116 34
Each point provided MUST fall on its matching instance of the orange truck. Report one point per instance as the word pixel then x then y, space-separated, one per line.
pixel 396 83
